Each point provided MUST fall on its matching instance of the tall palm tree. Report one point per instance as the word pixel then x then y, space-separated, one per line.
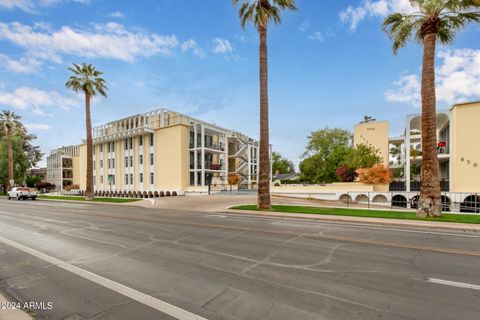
pixel 87 80
pixel 261 12
pixel 434 20
pixel 10 122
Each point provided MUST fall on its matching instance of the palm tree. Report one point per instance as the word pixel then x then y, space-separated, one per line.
pixel 261 12
pixel 87 80
pixel 10 122
pixel 434 20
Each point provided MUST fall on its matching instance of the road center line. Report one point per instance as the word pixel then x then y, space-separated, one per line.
pixel 454 284
pixel 143 298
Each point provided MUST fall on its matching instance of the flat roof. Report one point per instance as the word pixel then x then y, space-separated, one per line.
pixel 464 104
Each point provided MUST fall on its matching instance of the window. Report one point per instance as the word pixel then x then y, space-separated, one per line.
pixel 101 179
pixel 151 140
pixel 141 177
pixel 151 159
pixel 140 141
pixel 126 179
pixel 100 147
pixel 93 164
pixel 126 144
pixel 140 160
pixel 152 178
pixel 94 180
pixel 131 178
pixel 108 147
pixel 101 163
pixel 108 163
pixel 131 161
pixel 113 146
pixel 126 162
pixel 113 163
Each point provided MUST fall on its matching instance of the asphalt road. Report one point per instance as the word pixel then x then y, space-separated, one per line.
pixel 121 262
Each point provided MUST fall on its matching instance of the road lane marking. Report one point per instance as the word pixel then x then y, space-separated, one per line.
pixel 133 294
pixel 455 284
pixel 307 236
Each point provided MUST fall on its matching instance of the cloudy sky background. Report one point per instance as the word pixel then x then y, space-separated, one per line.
pixel 330 64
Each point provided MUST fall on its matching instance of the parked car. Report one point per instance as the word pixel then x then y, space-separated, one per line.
pixel 22 193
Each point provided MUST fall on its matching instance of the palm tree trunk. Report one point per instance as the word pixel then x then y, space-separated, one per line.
pixel 264 163
pixel 10 157
pixel 430 200
pixel 89 187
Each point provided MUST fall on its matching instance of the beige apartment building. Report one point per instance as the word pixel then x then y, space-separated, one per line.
pixel 165 151
pixel 60 171
pixel 458 136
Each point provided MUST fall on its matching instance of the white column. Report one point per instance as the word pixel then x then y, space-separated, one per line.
pixel 226 160
pixel 203 153
pixel 407 156
pixel 249 163
pixel 195 158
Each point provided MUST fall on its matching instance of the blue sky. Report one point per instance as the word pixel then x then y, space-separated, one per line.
pixel 330 64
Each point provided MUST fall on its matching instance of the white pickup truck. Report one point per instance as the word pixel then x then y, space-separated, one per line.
pixel 22 193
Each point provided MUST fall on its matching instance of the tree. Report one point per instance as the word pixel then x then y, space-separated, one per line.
pixel 367 119
pixel 281 165
pixel 378 174
pixel 31 181
pixel 331 157
pixel 10 123
pixel 87 80
pixel 261 13
pixel 24 154
pixel 434 20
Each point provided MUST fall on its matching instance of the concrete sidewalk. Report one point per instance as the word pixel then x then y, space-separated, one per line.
pixel 220 203
pixel 11 314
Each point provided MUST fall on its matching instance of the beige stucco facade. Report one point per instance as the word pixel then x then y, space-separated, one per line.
pixel 465 148
pixel 375 134
pixel 164 151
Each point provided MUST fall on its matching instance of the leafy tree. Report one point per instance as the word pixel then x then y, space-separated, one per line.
pixel 261 13
pixel 86 79
pixel 10 123
pixel 331 157
pixel 362 156
pixel 327 149
pixel 378 174
pixel 24 154
pixel 434 20
pixel 281 165
pixel 31 181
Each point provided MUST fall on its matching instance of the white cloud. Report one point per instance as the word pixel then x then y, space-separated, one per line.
pixel 192 45
pixel 23 65
pixel 117 14
pixel 33 6
pixel 37 126
pixel 317 36
pixel 33 99
pixel 110 40
pixel 222 46
pixel 457 75
pixel 304 26
pixel 373 8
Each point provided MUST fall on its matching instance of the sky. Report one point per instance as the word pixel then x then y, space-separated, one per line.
pixel 330 64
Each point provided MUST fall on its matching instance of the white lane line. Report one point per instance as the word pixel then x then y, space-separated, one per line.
pixel 455 284
pixel 143 298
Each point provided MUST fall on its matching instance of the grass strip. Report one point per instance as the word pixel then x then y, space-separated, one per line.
pixel 405 215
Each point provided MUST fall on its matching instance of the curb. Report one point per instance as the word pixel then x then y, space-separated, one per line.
pixel 362 220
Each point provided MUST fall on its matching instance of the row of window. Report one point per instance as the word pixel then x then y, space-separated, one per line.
pixel 128 144
pixel 128 179
pixel 128 161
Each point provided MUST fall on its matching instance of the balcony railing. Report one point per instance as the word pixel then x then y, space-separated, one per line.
pixel 415 185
